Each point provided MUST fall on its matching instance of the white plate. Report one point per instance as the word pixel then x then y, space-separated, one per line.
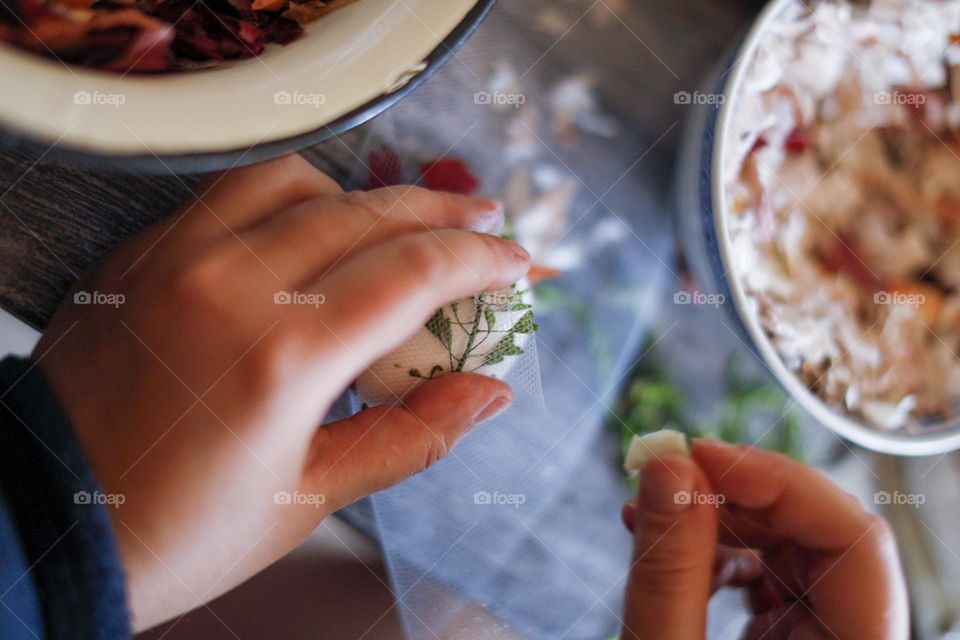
pixel 349 66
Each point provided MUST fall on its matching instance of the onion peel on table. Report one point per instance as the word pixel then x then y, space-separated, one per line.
pixel 451 175
pixel 539 273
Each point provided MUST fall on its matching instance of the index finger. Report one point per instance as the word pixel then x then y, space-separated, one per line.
pixel 228 203
pixel 238 199
pixel 793 498
pixel 382 296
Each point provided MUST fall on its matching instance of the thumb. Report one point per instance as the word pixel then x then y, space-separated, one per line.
pixel 675 541
pixel 380 447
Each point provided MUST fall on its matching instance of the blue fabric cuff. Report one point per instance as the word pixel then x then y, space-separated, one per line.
pixel 52 497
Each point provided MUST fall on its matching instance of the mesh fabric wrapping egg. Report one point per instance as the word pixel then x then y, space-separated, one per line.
pixel 485 334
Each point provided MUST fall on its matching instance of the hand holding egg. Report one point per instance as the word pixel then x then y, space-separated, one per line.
pixel 247 313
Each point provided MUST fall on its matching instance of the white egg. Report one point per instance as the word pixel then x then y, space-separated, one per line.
pixel 459 337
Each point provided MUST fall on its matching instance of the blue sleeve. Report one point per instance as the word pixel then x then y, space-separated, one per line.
pixel 60 571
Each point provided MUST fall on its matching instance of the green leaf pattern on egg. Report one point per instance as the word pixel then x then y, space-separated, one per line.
pixel 482 334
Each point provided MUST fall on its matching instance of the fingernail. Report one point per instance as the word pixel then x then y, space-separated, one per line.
pixel 519 253
pixel 495 408
pixel 667 484
pixel 491 204
pixel 490 220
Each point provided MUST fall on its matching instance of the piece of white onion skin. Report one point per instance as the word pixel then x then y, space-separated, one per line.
pixel 643 448
pixel 388 380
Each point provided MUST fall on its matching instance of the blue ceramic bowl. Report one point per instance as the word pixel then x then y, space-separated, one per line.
pixel 703 231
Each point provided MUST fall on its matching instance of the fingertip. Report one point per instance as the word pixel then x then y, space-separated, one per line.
pixel 487 387
pixel 469 396
pixel 494 205
pixel 510 260
pixel 495 407
pixel 499 397
pixel 489 217
pixel 716 457
pixel 520 254
pixel 712 446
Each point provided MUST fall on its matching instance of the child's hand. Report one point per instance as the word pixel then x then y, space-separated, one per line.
pixel 816 564
pixel 199 397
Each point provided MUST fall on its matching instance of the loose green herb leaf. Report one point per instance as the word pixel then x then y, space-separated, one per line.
pixel 652 401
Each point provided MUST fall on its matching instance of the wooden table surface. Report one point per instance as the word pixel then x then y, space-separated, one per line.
pixel 56 220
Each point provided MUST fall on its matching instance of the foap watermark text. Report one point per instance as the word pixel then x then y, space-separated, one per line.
pixel 697 97
pixel 698 498
pixel 98 497
pixel 514 500
pixel 299 99
pixel 906 98
pixel 899 498
pixel 315 500
pixel 99 98
pixel 499 99
pixel 899 298
pixel 299 297
pixel 699 298
pixel 96 297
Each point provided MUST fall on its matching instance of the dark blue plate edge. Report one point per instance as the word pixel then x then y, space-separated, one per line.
pixel 213 161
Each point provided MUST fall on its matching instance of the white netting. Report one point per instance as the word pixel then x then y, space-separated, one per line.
pixel 516 533
pixel 490 333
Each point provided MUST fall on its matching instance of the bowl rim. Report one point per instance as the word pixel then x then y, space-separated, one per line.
pixel 206 161
pixel 890 442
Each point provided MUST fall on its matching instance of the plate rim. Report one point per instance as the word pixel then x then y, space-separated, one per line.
pixel 206 161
